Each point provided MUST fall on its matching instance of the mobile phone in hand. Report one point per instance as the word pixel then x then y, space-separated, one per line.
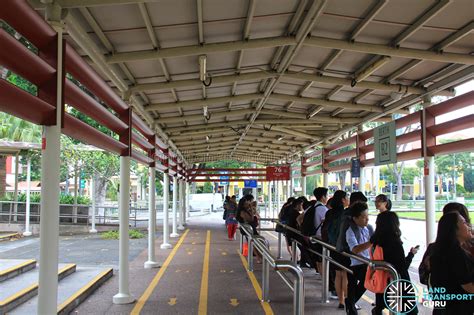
pixel 417 247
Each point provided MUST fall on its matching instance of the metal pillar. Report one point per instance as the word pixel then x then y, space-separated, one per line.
pixel 27 231
pixel 93 210
pixel 15 198
pixel 303 185
pixel 429 173
pixel 325 275
pixel 429 183
pixel 362 180
pixel 166 187
pixel 49 222
pixel 186 216
pixel 279 256
pixel 182 208
pixel 325 180
pixel 270 201
pixel 151 262
pixel 278 201
pixel 175 207
pixel 123 296
pixel 289 190
pixel 265 280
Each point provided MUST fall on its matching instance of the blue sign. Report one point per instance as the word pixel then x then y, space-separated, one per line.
pixel 224 180
pixel 250 183
pixel 355 168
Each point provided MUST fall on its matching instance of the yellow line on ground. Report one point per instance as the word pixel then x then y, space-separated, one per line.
pixel 265 305
pixel 19 266
pixel 271 234
pixel 9 235
pixel 205 277
pixel 73 297
pixel 146 295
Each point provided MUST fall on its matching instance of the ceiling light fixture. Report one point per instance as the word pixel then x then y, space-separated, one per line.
pixel 280 138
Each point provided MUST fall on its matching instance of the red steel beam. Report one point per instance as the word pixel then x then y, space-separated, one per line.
pixel 409 137
pixel 341 144
pixel 453 104
pixel 454 125
pixel 139 157
pixel 317 152
pixel 466 145
pixel 140 125
pixel 218 180
pixel 232 174
pixel 90 107
pixel 338 168
pixel 19 15
pixel 408 120
pixel 313 163
pixel 142 143
pixel 84 73
pixel 315 172
pixel 81 131
pixel 340 156
pixel 20 103
pixel 200 170
pixel 16 57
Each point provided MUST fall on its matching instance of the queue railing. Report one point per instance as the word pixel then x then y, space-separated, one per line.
pixel 268 261
pixel 326 259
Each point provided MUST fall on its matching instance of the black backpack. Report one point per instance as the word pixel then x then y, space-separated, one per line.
pixel 308 228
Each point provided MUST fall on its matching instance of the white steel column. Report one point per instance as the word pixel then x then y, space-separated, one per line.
pixel 362 180
pixel 175 206
pixel 49 220
pixel 429 174
pixel 93 210
pixel 278 196
pixel 270 200
pixel 166 200
pixel 181 205
pixel 27 231
pixel 303 185
pixel 151 262
pixel 325 180
pixel 429 183
pixel 288 186
pixel 186 198
pixel 123 296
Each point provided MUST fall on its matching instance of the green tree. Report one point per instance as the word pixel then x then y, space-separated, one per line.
pixel 208 188
pixel 16 129
pixel 452 165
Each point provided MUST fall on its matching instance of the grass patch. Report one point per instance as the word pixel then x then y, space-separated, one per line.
pixel 422 216
pixel 114 235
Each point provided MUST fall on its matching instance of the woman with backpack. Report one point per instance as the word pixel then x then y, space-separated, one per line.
pixel 332 226
pixel 387 235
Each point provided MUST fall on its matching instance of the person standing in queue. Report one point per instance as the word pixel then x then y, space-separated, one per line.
pixel 358 241
pixel 452 267
pixel 388 236
pixel 383 203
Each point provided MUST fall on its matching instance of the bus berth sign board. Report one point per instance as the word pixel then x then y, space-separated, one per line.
pixel 280 172
pixel 385 144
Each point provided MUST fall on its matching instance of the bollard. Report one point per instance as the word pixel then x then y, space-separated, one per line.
pixel 325 275
pixel 279 246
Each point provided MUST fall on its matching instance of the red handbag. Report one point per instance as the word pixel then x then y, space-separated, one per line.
pixel 376 280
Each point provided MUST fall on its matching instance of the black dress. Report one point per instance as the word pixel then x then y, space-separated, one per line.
pixel 450 270
pixel 394 254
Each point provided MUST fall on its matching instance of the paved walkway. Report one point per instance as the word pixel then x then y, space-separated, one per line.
pixel 178 288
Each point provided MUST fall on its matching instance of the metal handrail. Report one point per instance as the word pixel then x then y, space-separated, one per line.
pixel 326 259
pixel 278 265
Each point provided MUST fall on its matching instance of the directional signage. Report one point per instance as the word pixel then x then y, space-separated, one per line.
pixel 385 144
pixel 355 168
pixel 82 184
pixel 224 180
pixel 280 172
pixel 250 183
